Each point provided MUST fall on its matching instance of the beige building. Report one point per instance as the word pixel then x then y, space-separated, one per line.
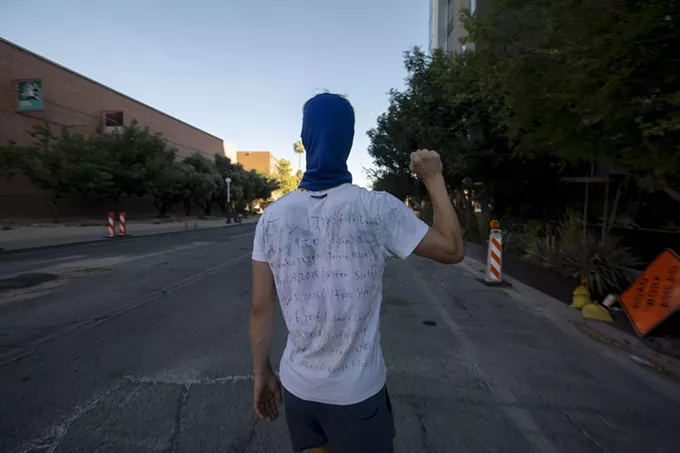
pixel 262 161
pixel 446 29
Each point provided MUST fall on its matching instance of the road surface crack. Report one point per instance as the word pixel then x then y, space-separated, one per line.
pixel 241 445
pixel 585 433
pixel 456 300
pixel 179 418
pixel 51 438
pixel 423 432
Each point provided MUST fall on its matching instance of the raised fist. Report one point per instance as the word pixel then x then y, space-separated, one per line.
pixel 426 164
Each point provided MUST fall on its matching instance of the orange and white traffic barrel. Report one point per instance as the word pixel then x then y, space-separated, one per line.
pixel 112 226
pixel 122 227
pixel 494 259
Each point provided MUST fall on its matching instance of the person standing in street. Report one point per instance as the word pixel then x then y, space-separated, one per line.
pixel 322 250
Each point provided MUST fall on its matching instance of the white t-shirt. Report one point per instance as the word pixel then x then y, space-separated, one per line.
pixel 327 251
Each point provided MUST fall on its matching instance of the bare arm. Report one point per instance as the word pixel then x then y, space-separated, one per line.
pixel 444 242
pixel 267 389
pixel 262 316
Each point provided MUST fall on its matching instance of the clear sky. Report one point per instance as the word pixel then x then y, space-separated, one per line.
pixel 239 69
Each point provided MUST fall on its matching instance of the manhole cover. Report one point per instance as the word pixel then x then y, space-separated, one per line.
pixel 430 323
pixel 25 281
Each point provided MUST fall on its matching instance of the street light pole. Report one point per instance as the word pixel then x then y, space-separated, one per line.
pixel 228 206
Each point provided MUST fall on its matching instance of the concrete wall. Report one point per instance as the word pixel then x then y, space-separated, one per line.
pixel 438 24
pixel 76 102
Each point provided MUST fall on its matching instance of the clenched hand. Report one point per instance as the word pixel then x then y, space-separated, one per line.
pixel 426 164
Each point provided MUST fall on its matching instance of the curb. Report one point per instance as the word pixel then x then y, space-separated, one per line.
pixel 633 346
pixel 659 363
pixel 102 240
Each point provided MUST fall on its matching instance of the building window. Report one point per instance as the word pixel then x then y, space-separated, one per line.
pixel 463 47
pixel 112 121
pixel 450 11
pixel 473 6
pixel 450 42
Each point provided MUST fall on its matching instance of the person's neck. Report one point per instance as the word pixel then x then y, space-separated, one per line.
pixel 307 190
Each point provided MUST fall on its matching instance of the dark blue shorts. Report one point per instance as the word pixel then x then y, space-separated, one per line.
pixel 365 427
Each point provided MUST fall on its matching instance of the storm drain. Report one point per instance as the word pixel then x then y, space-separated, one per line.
pixel 430 323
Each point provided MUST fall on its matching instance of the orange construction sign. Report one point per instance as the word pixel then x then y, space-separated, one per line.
pixel 655 295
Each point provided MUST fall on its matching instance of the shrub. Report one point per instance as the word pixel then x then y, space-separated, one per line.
pixel 566 250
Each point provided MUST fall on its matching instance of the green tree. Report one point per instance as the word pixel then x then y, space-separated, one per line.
pixel 398 184
pixel 10 159
pixel 62 164
pixel 264 187
pixel 595 81
pixel 440 110
pixel 299 149
pixel 285 177
pixel 134 157
pixel 246 186
pixel 443 108
pixel 170 186
pixel 256 187
pixel 228 169
pixel 205 181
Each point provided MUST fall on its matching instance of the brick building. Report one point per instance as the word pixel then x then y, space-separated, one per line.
pixel 34 89
pixel 262 161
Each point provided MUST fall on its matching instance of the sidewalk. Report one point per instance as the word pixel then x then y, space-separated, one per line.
pixel 602 332
pixel 48 234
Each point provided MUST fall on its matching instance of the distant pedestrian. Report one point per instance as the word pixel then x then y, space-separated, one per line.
pixel 322 249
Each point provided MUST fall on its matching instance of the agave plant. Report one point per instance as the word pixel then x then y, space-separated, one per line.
pixel 541 249
pixel 606 264
pixel 566 250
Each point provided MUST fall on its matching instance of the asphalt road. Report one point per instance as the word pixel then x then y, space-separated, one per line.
pixel 141 345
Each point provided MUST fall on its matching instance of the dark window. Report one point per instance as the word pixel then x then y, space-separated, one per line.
pixel 113 119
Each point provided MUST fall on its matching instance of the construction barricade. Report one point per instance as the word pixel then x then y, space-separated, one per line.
pixel 112 225
pixel 122 226
pixel 494 260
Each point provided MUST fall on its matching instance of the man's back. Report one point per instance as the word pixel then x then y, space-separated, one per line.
pixel 323 249
pixel 327 251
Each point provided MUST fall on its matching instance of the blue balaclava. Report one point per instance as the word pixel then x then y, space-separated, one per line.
pixel 327 134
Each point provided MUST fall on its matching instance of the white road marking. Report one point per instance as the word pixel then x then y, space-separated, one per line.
pixel 242 235
pixel 164 381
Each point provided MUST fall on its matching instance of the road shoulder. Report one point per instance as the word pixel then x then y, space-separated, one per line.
pixel 571 319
